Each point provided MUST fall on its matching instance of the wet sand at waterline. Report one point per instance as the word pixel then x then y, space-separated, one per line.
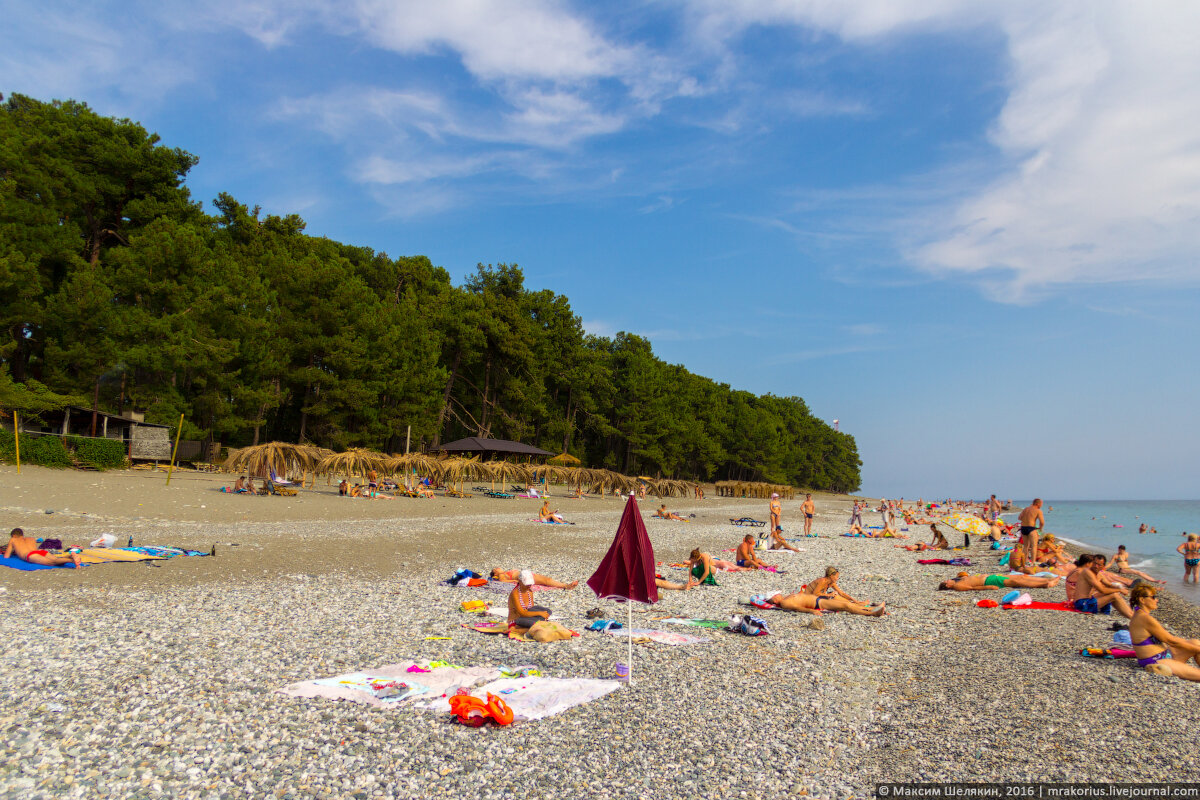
pixel 128 680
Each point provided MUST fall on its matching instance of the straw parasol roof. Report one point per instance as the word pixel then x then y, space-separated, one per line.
pixel 355 461
pixel 282 457
pixel 423 465
pixel 565 459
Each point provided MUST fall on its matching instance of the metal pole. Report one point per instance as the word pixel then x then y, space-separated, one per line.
pixel 629 628
pixel 407 439
pixel 175 452
pixel 17 439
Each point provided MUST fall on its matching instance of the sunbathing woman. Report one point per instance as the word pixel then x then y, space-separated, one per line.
pixel 702 568
pixel 662 513
pixel 522 613
pixel 513 575
pixel 27 550
pixel 1158 651
pixel 1120 565
pixel 546 515
pixel 827 586
pixel 811 604
pixel 981 583
pixel 939 542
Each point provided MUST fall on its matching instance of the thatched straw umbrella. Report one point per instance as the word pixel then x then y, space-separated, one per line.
pixel 419 463
pixel 355 461
pixel 502 470
pixel 564 459
pixel 456 468
pixel 282 458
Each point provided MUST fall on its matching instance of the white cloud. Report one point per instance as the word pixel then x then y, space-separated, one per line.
pixel 1099 140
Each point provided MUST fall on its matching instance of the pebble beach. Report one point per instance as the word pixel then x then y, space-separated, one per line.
pixel 160 679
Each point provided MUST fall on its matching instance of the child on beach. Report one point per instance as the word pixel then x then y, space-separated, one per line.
pixel 27 550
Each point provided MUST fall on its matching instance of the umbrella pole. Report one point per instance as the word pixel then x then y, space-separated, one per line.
pixel 629 628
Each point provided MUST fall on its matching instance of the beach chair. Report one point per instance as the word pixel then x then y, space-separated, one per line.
pixel 275 479
pixel 747 522
pixel 280 491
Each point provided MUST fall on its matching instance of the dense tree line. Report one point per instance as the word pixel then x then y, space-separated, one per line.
pixel 117 287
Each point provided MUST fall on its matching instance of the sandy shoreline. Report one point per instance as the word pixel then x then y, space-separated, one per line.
pixel 165 675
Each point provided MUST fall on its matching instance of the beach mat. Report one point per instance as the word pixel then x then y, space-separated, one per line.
pixel 662 637
pixel 1041 606
pixel 1107 652
pixel 109 555
pixel 25 566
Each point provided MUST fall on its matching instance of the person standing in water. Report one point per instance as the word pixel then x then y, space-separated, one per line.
pixel 1190 550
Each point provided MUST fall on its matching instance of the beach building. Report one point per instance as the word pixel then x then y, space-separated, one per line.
pixel 145 441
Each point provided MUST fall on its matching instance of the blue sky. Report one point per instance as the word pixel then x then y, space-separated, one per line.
pixel 967 230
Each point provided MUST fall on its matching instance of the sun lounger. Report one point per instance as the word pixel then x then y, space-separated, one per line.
pixel 747 522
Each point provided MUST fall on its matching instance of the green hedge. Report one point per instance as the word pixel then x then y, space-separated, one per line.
pixel 98 453
pixel 45 451
pixel 48 451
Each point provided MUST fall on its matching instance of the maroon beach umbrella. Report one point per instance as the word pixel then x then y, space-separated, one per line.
pixel 627 571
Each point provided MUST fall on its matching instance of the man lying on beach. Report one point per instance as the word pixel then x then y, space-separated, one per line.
pixel 662 513
pixel 522 613
pixel 812 604
pixel 982 583
pixel 827 586
pixel 886 533
pixel 1087 590
pixel 513 575
pixel 27 550
pixel 746 556
pixel 1156 649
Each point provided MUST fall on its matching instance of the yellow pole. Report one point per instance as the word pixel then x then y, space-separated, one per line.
pixel 17 439
pixel 175 452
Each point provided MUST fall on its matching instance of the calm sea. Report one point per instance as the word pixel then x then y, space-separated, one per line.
pixel 1090 523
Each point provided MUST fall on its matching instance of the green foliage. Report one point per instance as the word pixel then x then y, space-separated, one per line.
pixel 45 451
pixel 98 453
pixel 118 287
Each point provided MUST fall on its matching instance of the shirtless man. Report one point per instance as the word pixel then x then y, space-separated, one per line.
pixel 981 583
pixel 993 508
pixel 809 509
pixel 1032 521
pixel 812 604
pixel 512 575
pixel 27 549
pixel 776 517
pixel 1086 583
pixel 746 556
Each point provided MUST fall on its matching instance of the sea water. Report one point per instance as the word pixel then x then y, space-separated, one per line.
pixel 1092 524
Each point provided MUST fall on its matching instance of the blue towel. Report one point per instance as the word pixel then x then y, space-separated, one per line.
pixel 25 566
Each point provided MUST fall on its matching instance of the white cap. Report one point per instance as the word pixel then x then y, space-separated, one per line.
pixel 774 496
pixel 526 577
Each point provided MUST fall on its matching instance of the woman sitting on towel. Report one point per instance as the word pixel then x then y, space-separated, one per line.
pixel 662 513
pixel 1159 651
pixel 939 542
pixel 702 568
pixel 827 586
pixel 546 515
pixel 513 575
pixel 522 613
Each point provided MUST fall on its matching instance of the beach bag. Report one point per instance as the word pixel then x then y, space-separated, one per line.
pixel 547 631
pixel 51 544
pixel 105 540
pixel 748 625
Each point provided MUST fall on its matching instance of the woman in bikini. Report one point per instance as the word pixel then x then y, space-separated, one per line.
pixel 1190 550
pixel 522 613
pixel 702 569
pixel 827 586
pixel 1159 651
pixel 546 515
pixel 1120 565
pixel 513 575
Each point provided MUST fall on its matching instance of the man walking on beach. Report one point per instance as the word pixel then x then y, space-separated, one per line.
pixel 993 508
pixel 809 510
pixel 1032 521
